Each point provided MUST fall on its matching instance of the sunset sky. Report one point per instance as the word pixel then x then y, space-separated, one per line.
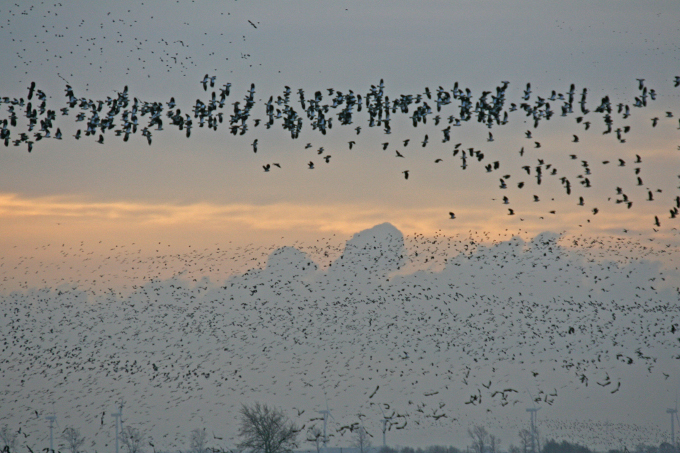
pixel 210 192
pixel 213 184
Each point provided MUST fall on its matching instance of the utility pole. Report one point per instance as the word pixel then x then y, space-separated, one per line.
pixel 117 416
pixel 51 419
pixel 325 413
pixel 532 412
pixel 384 420
pixel 325 419
pixel 674 416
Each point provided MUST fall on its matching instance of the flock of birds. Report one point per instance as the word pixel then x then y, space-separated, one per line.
pixel 125 116
pixel 496 328
pixel 411 335
pixel 117 35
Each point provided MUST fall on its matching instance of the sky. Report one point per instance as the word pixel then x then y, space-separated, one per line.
pixel 72 206
pixel 215 177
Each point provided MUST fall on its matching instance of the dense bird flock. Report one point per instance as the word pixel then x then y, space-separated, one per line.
pixel 375 333
pixel 427 333
pixel 537 172
pixel 445 108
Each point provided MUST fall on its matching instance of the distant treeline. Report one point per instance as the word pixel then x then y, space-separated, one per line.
pixel 551 446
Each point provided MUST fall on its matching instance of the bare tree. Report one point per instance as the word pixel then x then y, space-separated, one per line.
pixel 132 439
pixel 198 441
pixel 315 435
pixel 73 439
pixel 266 429
pixel 362 440
pixel 494 443
pixel 8 439
pixel 525 440
pixel 480 438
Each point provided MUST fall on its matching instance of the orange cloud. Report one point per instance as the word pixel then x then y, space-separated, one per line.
pixel 42 217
